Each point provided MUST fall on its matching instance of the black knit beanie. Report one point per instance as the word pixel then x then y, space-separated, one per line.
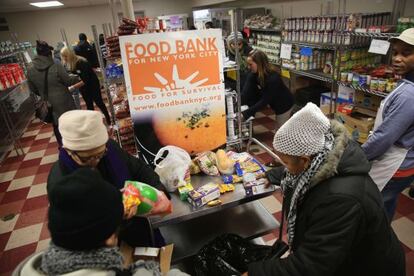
pixel 43 49
pixel 84 210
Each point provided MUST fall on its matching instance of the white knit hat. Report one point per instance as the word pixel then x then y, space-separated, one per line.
pixel 82 130
pixel 304 133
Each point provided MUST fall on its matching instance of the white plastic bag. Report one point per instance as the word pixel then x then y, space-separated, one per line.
pixel 173 170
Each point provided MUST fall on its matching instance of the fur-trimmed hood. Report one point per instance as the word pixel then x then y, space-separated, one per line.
pixel 346 157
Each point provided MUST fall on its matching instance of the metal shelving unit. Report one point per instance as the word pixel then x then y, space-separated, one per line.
pixel 323 46
pixel 265 30
pixel 373 35
pixel 364 89
pixel 314 74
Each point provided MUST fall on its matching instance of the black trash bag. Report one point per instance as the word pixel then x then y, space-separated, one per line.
pixel 230 254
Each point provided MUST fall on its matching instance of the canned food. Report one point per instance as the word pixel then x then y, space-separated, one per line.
pixel 350 76
pixel 355 80
pixel 390 85
pixel 344 76
pixel 382 85
pixel 369 79
pixel 362 80
pixel 374 84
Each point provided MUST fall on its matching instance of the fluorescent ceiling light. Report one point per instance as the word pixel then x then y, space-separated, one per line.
pixel 47 4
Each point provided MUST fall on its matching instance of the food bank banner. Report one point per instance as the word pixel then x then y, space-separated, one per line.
pixel 175 89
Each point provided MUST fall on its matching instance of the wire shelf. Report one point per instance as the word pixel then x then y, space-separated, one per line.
pixel 9 55
pixel 317 75
pixel 374 35
pixel 265 30
pixel 325 46
pixel 364 89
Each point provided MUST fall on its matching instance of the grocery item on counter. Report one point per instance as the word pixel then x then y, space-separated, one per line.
pixel 207 161
pixel 194 168
pixel 204 194
pixel 232 179
pixel 184 190
pixel 225 188
pixel 255 187
pixel 147 199
pixel 225 165
pixel 214 203
pixel 173 167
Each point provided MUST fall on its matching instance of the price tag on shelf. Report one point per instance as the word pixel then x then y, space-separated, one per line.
pixel 286 51
pixel 379 47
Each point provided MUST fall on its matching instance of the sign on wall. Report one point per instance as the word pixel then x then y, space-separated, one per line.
pixel 175 89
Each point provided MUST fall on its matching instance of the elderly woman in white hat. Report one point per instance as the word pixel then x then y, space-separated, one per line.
pixel 86 144
pixel 336 221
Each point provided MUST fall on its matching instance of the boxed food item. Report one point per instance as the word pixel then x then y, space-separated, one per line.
pixel 184 190
pixel 255 187
pixel 367 101
pixel 204 194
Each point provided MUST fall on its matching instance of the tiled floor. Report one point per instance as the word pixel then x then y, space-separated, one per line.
pixel 24 202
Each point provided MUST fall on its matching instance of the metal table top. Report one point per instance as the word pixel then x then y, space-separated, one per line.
pixel 184 211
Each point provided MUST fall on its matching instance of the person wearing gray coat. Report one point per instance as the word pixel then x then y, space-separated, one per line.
pixel 58 81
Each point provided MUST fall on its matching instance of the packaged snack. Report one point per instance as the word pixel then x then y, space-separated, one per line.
pixel 207 163
pixel 224 164
pixel 184 190
pixel 194 168
pixel 232 179
pixel 224 188
pixel 214 203
pixel 203 195
pixel 149 200
pixel 255 187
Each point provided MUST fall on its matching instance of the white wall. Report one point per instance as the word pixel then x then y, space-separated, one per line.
pixel 46 24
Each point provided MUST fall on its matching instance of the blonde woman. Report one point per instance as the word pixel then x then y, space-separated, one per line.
pixel 89 86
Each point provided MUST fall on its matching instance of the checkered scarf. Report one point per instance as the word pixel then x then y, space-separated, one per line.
pixel 300 184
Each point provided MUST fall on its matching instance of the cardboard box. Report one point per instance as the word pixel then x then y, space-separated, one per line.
pixel 204 194
pixel 363 100
pixel 346 93
pixel 359 125
pixel 255 187
pixel 161 255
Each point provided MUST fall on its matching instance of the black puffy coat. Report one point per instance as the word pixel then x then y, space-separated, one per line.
pixel 341 226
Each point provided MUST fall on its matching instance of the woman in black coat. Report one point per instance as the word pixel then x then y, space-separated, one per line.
pixel 89 87
pixel 265 87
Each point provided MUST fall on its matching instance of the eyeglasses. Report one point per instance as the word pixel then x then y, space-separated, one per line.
pixel 88 159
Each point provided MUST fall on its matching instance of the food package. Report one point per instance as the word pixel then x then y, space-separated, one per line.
pixel 173 167
pixel 204 194
pixel 255 187
pixel 232 179
pixel 245 163
pixel 207 162
pixel 194 168
pixel 184 190
pixel 224 164
pixel 122 110
pixel 149 201
pixel 224 188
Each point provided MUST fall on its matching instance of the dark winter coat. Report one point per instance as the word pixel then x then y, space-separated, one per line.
pixel 88 51
pixel 274 93
pixel 138 170
pixel 341 226
pixel 86 73
pixel 58 82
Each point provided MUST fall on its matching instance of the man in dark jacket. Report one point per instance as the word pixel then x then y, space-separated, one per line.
pixel 86 50
pixel 336 221
pixel 58 82
pixel 86 144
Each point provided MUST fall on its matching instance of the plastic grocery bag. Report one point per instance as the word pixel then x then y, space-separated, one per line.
pixel 146 199
pixel 172 165
pixel 230 254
